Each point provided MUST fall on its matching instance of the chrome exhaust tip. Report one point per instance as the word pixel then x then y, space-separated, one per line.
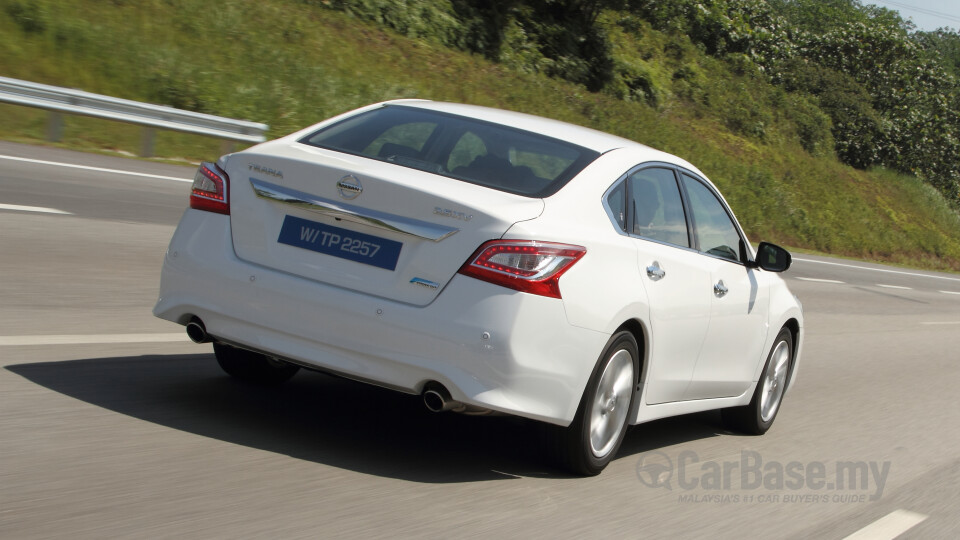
pixel 437 399
pixel 197 332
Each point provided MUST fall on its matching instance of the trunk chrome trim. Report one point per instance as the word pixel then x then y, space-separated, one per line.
pixel 354 214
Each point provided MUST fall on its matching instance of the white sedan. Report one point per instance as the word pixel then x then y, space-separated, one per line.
pixel 493 262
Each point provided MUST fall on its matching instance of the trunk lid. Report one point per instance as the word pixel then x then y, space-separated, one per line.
pixel 362 224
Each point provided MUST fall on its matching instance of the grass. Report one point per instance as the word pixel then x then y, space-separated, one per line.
pixel 290 64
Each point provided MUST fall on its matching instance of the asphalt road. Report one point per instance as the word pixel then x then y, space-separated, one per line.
pixel 112 425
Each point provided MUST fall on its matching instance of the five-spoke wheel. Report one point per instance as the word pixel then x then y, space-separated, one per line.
pixel 757 417
pixel 592 440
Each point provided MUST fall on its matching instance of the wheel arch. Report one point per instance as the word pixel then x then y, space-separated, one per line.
pixel 793 325
pixel 636 328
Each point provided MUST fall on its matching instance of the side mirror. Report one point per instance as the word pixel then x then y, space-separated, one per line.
pixel 773 258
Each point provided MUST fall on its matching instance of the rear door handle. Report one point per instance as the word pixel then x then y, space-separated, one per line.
pixel 720 289
pixel 655 272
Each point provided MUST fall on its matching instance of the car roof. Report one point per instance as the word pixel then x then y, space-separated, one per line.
pixel 592 139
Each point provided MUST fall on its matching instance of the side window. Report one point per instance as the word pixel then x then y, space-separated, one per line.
pixel 656 207
pixel 541 164
pixel 617 207
pixel 715 230
pixel 467 149
pixel 405 140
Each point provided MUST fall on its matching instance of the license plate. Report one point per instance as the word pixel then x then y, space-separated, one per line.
pixel 343 243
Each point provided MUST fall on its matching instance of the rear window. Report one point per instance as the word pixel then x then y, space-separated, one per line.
pixel 465 149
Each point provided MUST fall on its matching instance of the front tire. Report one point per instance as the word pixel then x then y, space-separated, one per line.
pixel 592 440
pixel 757 417
pixel 253 367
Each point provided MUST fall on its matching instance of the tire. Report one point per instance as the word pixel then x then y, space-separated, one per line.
pixel 253 367
pixel 592 440
pixel 757 417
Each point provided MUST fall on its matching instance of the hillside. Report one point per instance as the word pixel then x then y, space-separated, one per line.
pixel 772 150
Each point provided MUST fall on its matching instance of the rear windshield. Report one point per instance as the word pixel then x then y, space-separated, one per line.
pixel 465 149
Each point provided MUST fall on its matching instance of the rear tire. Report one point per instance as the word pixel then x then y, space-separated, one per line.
pixel 592 440
pixel 253 367
pixel 757 417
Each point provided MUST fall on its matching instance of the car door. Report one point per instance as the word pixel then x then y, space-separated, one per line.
pixel 739 304
pixel 678 287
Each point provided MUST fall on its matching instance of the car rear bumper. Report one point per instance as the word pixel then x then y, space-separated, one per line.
pixel 490 346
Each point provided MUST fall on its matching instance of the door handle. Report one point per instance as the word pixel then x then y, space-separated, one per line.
pixel 720 289
pixel 655 272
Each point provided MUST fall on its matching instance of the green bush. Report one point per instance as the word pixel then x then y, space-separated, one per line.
pixel 813 126
pixel 30 15
pixel 634 81
pixel 856 126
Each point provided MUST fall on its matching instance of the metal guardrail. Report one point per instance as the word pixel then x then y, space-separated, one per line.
pixel 59 100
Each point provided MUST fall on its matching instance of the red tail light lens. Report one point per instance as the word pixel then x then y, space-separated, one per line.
pixel 210 189
pixel 523 265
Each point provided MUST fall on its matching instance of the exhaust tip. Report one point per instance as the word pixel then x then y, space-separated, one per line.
pixel 197 332
pixel 437 398
pixel 434 401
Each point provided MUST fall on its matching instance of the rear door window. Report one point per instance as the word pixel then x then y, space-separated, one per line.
pixel 616 203
pixel 468 148
pixel 404 140
pixel 656 207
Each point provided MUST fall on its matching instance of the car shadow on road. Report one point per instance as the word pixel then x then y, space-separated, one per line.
pixel 329 420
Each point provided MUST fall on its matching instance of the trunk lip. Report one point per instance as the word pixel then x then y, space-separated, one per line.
pixel 355 214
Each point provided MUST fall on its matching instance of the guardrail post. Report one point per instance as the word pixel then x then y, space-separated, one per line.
pixel 147 137
pixel 54 126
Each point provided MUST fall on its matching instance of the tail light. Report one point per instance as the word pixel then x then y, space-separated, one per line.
pixel 523 265
pixel 210 189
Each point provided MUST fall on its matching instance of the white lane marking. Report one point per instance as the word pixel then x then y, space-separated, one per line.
pixel 815 280
pixel 915 274
pixel 889 526
pixel 87 339
pixel 39 209
pixel 941 323
pixel 950 292
pixel 895 287
pixel 97 169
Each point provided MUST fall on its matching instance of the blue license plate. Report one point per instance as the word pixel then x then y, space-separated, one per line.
pixel 343 243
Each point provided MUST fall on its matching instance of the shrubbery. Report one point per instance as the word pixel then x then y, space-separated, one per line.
pixel 890 95
pixel 29 15
pixel 555 37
